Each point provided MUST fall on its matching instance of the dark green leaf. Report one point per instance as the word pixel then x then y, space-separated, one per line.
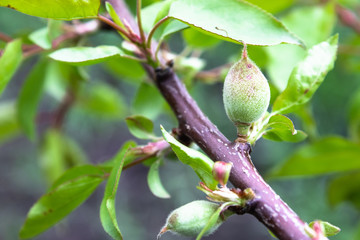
pixel 107 208
pixel 197 39
pixel 102 100
pixel 86 55
pixel 63 198
pixel 154 181
pixel 9 62
pixel 328 155
pixel 128 69
pixel 148 102
pixel 281 128
pixel 201 164
pixel 141 127
pixel 65 9
pixel 354 117
pixel 307 76
pixel 232 20
pixel 328 229
pixel 345 188
pixel 29 98
pixel 9 126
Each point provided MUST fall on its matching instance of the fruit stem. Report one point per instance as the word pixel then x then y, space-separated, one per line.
pixel 242 131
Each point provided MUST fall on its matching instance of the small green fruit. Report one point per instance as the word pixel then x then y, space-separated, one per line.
pixel 190 219
pixel 246 94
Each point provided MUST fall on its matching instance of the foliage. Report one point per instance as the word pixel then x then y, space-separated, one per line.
pixel 72 88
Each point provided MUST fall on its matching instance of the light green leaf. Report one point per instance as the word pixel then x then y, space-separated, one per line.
pixel 107 208
pixel 281 128
pixel 307 76
pixel 201 164
pixel 148 101
pixel 313 24
pixel 233 20
pixel 9 62
pixel 102 100
pixel 345 188
pixel 41 38
pixel 44 36
pixel 214 220
pixel 197 39
pixel 154 182
pixel 328 155
pixel 9 126
pixel 86 55
pixel 29 98
pixel 61 200
pixel 140 126
pixel 272 6
pixel 328 229
pixel 65 9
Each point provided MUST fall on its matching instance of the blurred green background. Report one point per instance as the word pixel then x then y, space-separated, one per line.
pixel 99 135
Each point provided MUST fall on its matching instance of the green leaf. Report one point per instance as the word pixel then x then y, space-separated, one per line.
pixel 9 62
pixel 65 9
pixel 9 126
pixel 141 127
pixel 29 99
pixel 328 155
pixel 107 208
pixel 154 182
pixel 52 161
pixel 65 196
pixel 328 229
pixel 78 172
pixel 86 55
pixel 201 164
pixel 281 128
pixel 102 100
pixel 272 6
pixel 233 20
pixel 307 76
pixel 148 101
pixel 128 69
pixel 354 117
pixel 44 36
pixel 345 188
pixel 313 24
pixel 197 39
pixel 213 220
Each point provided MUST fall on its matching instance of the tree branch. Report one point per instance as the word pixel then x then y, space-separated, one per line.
pixel 267 207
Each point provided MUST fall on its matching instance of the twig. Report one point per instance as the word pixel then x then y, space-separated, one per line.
pixel 348 18
pixel 5 37
pixel 138 13
pixel 63 109
pixel 267 207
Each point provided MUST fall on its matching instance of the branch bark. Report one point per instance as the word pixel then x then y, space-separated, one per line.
pixel 267 207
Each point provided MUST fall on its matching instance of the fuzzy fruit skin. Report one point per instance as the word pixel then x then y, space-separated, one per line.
pixel 190 219
pixel 246 92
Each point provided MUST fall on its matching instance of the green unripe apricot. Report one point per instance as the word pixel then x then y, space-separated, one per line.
pixel 246 94
pixel 190 219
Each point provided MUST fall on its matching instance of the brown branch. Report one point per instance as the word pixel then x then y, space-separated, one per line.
pixel 5 38
pixel 267 207
pixel 63 109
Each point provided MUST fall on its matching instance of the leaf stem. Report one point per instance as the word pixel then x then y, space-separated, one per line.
pixel 157 25
pixel 115 26
pixel 138 13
